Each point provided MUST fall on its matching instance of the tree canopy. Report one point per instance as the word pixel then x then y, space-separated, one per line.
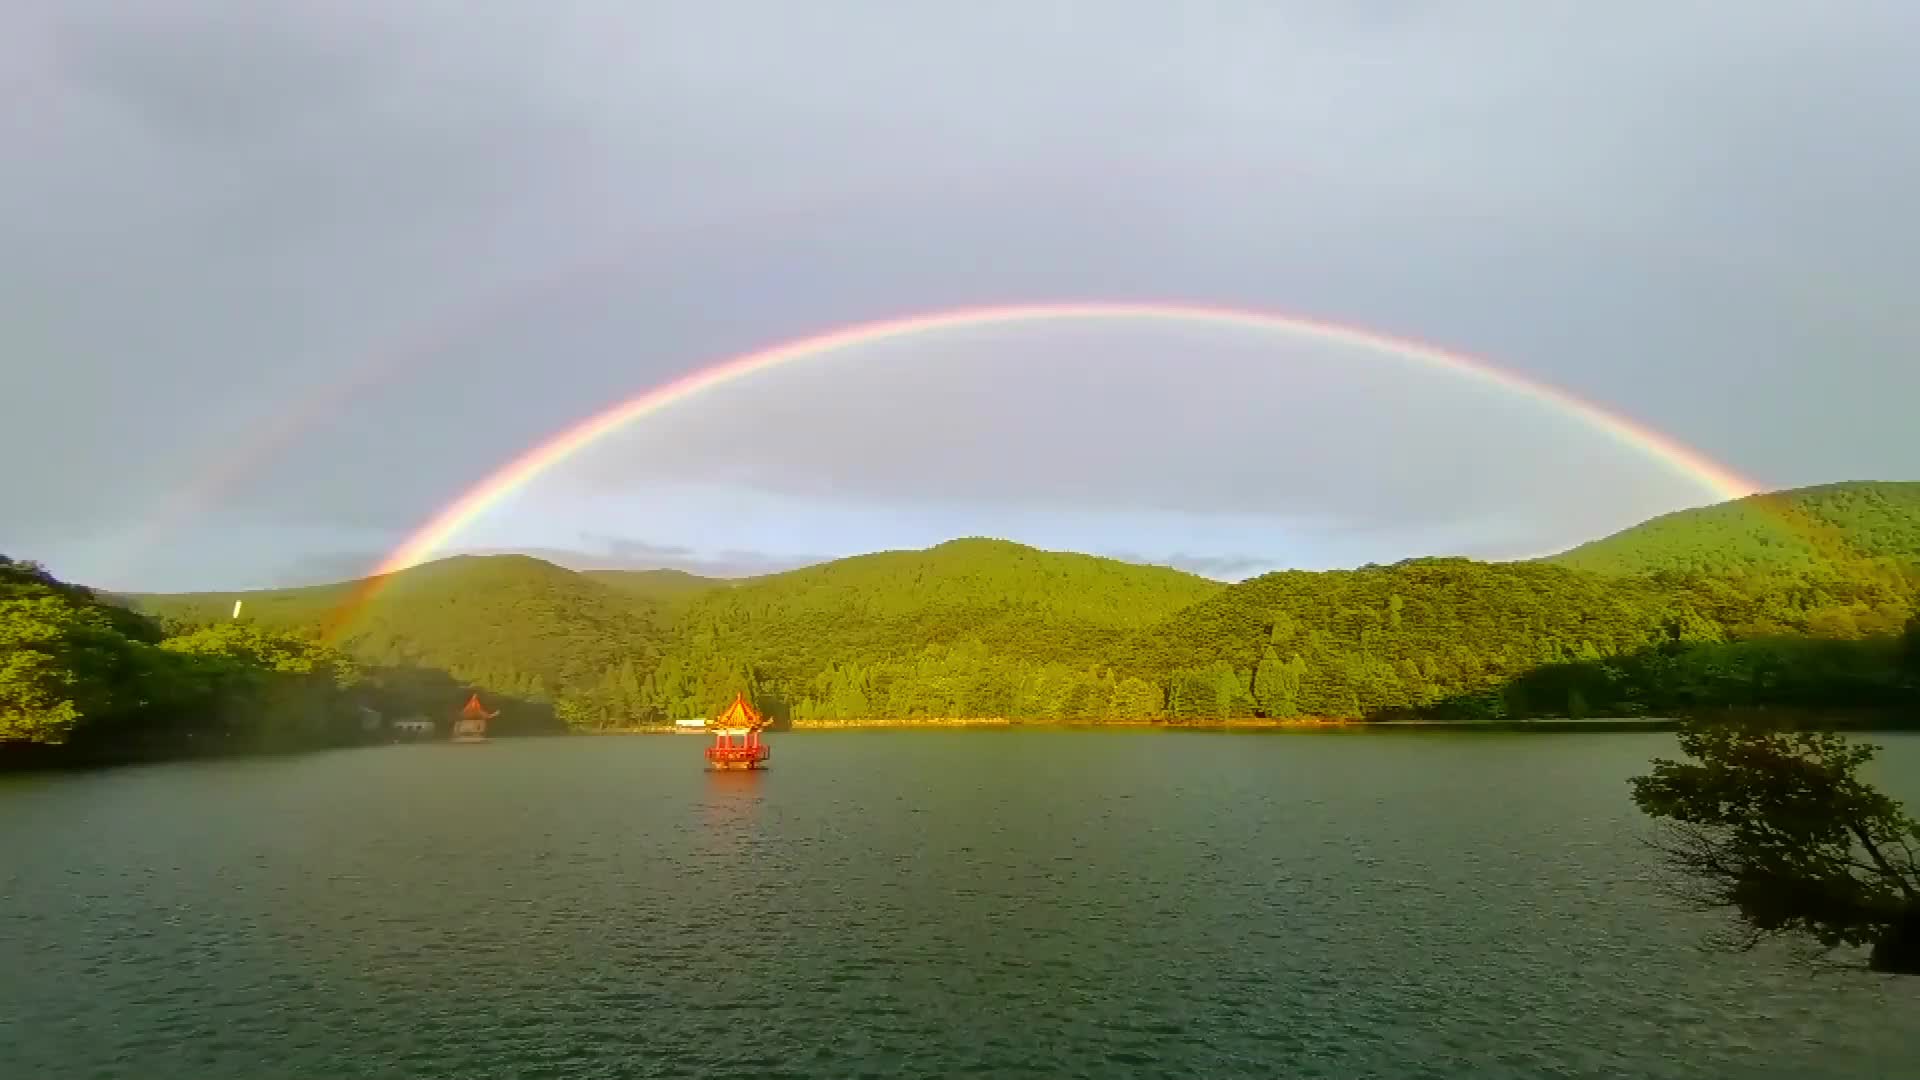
pixel 82 678
pixel 1778 828
pixel 1804 530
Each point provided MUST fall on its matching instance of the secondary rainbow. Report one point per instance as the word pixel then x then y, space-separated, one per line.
pixel 1721 481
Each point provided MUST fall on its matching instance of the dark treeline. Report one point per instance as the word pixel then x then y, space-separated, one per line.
pixel 85 680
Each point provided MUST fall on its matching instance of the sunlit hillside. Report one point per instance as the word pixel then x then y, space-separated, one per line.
pixel 989 627
pixel 1806 529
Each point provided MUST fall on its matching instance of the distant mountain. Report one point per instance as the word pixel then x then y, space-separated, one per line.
pixel 664 586
pixel 1418 610
pixel 1041 603
pixel 975 575
pixel 1396 638
pixel 981 627
pixel 522 625
pixel 508 622
pixel 1805 529
pixel 1802 603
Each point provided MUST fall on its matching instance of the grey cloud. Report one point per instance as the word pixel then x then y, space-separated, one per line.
pixel 1222 567
pixel 317 568
pixel 1218 567
pixel 1144 417
pixel 639 555
pixel 605 552
pixel 626 548
pixel 218 211
pixel 324 568
pixel 215 76
pixel 626 553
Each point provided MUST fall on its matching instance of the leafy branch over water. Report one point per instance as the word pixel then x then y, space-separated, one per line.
pixel 1779 829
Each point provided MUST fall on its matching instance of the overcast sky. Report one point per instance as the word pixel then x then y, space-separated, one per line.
pixel 280 279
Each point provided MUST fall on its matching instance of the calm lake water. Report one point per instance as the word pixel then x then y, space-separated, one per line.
pixel 895 903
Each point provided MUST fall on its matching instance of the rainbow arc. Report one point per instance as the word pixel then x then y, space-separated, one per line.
pixel 1715 479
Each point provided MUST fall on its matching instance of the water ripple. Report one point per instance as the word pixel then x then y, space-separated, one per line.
pixel 890 904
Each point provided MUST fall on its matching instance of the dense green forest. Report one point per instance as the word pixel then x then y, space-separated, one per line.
pixel 86 679
pixel 511 623
pixel 1804 598
pixel 1804 530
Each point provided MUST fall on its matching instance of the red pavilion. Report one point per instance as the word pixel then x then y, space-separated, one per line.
pixel 736 737
pixel 472 725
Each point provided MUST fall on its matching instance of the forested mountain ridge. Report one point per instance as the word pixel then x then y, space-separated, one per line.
pixel 1806 530
pixel 777 635
pixel 1452 637
pixel 665 587
pixel 617 647
pixel 1655 617
pixel 511 623
pixel 85 679
pixel 1000 572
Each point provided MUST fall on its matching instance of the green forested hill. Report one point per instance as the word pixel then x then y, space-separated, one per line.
pixel 1348 643
pixel 1017 595
pixel 1725 604
pixel 778 634
pixel 620 647
pixel 1456 637
pixel 664 587
pixel 510 623
pixel 1801 529
pixel 84 679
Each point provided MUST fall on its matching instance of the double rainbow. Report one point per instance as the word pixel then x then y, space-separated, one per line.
pixel 1717 479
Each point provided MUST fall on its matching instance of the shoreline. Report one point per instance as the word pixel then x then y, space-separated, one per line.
pixel 1245 724
pixel 1857 719
pixel 17 760
pixel 1863 720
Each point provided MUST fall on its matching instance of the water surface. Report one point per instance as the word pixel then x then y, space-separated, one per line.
pixel 895 903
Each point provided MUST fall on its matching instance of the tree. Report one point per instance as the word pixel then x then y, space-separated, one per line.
pixel 1136 699
pixel 1779 828
pixel 62 664
pixel 579 713
pixel 1276 685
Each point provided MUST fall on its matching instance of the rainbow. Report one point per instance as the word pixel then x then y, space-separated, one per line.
pixel 431 536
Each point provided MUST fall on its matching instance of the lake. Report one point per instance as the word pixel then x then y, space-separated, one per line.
pixel 896 903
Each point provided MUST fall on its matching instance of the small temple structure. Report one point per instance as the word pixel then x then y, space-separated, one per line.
pixel 472 725
pixel 736 737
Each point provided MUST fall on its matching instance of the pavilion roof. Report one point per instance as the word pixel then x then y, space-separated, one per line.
pixel 739 714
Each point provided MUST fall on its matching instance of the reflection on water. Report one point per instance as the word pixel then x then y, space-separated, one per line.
pixel 1100 904
pixel 730 802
